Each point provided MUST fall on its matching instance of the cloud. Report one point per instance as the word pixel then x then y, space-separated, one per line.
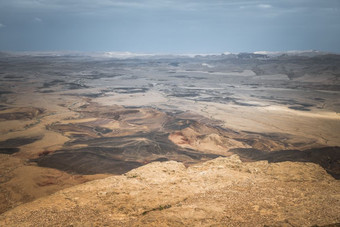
pixel 112 6
pixel 37 19
pixel 264 6
pixel 88 5
pixel 2 25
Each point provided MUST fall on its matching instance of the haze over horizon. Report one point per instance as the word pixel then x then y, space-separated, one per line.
pixel 169 26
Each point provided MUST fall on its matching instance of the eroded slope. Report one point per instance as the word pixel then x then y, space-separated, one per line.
pixel 221 192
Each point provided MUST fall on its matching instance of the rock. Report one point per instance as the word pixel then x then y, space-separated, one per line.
pixel 219 192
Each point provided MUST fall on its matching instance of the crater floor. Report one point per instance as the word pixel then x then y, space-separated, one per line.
pixel 66 120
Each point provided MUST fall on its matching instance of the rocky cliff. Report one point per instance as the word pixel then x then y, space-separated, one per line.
pixel 220 192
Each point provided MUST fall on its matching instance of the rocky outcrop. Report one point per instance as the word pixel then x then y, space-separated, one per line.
pixel 220 192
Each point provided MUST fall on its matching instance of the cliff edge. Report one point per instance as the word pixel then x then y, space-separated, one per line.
pixel 220 192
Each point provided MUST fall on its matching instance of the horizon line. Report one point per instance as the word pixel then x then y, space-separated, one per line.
pixel 129 54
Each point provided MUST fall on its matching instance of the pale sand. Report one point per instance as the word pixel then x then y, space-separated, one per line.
pixel 320 125
pixel 323 126
pixel 151 98
pixel 24 181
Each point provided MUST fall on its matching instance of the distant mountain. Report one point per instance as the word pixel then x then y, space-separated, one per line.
pixel 131 55
pixel 305 53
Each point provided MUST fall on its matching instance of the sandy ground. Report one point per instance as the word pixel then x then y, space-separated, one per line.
pixel 321 125
pixel 68 123
pixel 221 192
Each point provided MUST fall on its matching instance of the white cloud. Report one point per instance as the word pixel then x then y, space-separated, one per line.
pixel 2 25
pixel 90 5
pixel 264 6
pixel 37 19
pixel 112 6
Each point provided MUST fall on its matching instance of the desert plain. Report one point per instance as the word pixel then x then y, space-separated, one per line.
pixel 90 139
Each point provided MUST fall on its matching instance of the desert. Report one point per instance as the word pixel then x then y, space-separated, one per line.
pixel 94 139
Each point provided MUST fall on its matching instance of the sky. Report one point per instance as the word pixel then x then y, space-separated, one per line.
pixel 170 26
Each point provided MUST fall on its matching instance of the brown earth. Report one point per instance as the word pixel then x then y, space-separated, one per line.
pixel 23 182
pixel 220 192
pixel 68 120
